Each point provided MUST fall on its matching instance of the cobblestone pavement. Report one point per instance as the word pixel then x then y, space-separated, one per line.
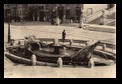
pixel 48 31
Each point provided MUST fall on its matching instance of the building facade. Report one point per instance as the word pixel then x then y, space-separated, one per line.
pixel 15 10
pixel 6 10
pixel 45 12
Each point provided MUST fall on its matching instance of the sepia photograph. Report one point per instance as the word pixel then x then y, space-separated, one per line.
pixel 59 40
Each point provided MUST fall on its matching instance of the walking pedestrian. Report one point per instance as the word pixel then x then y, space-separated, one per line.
pixel 63 35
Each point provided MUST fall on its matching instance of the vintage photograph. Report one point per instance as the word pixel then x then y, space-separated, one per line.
pixel 59 40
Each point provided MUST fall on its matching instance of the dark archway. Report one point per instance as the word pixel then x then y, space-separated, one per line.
pixel 35 16
pixel 78 13
pixel 30 15
pixel 68 14
pixel 61 12
pixel 41 16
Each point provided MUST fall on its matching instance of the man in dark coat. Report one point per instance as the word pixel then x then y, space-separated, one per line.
pixel 63 35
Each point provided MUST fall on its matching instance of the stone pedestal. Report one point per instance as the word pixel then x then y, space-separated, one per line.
pixel 71 42
pixel 33 60
pixel 104 46
pixel 91 63
pixel 59 62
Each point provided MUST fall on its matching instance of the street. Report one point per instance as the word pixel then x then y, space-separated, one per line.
pixel 42 30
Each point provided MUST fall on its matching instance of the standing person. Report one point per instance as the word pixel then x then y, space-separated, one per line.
pixel 63 35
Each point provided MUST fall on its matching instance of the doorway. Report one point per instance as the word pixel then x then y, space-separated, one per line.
pixel 41 16
pixel 30 16
pixel 67 14
pixel 61 13
pixel 35 16
pixel 78 13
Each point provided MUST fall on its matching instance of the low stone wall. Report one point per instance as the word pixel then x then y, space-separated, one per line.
pixel 74 41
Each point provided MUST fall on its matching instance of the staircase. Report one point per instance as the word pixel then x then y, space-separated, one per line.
pixel 94 18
